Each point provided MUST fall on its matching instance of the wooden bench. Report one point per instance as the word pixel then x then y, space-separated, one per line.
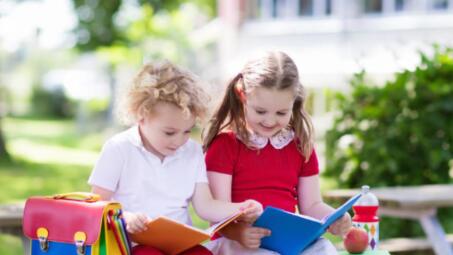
pixel 417 203
pixel 11 223
pixel 404 245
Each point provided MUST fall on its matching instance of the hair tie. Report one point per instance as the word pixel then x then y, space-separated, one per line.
pixel 238 89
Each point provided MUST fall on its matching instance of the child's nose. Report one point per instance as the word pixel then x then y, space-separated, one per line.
pixel 270 122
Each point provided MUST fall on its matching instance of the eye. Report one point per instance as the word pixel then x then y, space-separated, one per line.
pixel 260 112
pixel 169 133
pixel 188 131
pixel 281 113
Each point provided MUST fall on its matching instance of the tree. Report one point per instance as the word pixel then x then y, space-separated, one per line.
pixel 98 32
pixel 4 155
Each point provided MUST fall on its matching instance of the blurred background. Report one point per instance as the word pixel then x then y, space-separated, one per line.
pixel 379 76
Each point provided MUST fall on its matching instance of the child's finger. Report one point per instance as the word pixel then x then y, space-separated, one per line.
pixel 249 218
pixel 142 220
pixel 261 232
pixel 251 211
pixel 248 214
pixel 252 204
pixel 132 228
pixel 136 226
pixel 253 244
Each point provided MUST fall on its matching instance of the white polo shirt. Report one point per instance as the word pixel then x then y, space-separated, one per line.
pixel 141 182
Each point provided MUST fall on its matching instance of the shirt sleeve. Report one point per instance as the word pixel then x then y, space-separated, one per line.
pixel 107 170
pixel 201 169
pixel 311 167
pixel 222 154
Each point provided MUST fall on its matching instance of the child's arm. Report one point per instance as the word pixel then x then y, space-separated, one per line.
pixel 311 204
pixel 216 210
pixel 135 222
pixel 242 232
pixel 104 193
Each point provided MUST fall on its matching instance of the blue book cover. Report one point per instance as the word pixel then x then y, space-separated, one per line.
pixel 292 233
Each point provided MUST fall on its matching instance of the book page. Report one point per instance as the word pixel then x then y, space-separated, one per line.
pixel 308 217
pixel 170 236
pixel 340 211
pixel 219 225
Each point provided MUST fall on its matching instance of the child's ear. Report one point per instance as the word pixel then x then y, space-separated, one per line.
pixel 140 117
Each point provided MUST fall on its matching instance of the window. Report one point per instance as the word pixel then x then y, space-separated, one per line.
pixel 271 9
pixel 305 7
pixel 372 6
pixel 400 5
pixel 328 7
pixel 439 4
pixel 274 8
pixel 252 10
pixel 286 8
pixel 266 9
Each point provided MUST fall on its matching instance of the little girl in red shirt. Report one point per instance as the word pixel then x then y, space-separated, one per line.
pixel 259 145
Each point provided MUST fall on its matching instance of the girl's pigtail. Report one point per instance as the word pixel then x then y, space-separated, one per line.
pixel 229 113
pixel 303 127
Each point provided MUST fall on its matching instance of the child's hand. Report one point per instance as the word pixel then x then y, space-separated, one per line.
pixel 135 222
pixel 250 237
pixel 252 209
pixel 341 226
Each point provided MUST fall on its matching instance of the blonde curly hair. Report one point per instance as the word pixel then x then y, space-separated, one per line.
pixel 164 82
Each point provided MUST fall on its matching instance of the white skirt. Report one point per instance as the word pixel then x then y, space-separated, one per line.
pixel 224 246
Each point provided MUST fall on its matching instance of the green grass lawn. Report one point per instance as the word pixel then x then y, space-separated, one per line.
pixel 49 157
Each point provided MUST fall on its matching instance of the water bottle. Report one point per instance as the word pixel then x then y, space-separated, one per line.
pixel 365 216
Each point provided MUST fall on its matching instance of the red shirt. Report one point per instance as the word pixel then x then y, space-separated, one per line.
pixel 268 175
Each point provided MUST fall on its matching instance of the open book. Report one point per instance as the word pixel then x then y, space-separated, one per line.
pixel 173 237
pixel 292 233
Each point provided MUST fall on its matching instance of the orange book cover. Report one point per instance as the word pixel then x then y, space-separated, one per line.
pixel 173 237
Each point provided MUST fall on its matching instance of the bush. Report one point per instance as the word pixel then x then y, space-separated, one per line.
pixel 398 134
pixel 51 103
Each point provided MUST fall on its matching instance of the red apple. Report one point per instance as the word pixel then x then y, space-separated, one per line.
pixel 356 240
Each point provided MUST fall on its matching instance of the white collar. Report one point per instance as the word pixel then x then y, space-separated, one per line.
pixel 278 141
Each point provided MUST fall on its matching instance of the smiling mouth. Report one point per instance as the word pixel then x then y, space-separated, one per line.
pixel 268 128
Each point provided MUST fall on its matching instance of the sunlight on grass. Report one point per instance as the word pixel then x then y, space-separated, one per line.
pixel 43 128
pixel 24 179
pixel 332 238
pixel 196 221
pixel 10 245
pixel 52 132
pixel 49 157
pixel 43 153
